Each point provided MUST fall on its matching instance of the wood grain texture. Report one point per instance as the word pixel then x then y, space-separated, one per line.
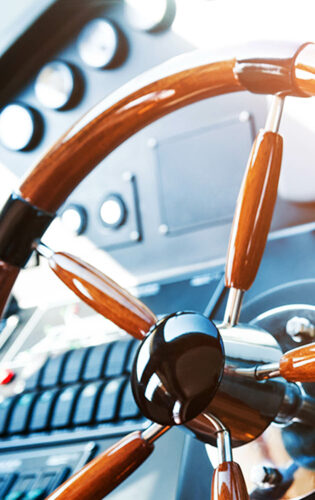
pixel 8 275
pixel 100 476
pixel 304 70
pixel 228 483
pixel 103 294
pixel 254 211
pixel 298 365
pixel 108 125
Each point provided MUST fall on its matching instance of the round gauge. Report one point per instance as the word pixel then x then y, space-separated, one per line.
pixel 74 218
pixel 146 15
pixel 17 126
pixel 54 85
pixel 98 43
pixel 113 211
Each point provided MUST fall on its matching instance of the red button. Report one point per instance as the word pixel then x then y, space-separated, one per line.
pixel 6 376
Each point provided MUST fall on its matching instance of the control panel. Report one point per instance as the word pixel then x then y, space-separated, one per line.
pixel 131 204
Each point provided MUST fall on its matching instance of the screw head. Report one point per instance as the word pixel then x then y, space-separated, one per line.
pixel 300 328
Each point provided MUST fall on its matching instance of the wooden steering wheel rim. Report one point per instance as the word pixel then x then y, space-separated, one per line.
pixel 285 69
pixel 166 88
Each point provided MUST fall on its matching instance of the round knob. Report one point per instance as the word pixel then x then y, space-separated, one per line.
pixel 18 126
pixel 98 43
pixel 55 85
pixel 178 368
pixel 300 328
pixel 75 218
pixel 113 211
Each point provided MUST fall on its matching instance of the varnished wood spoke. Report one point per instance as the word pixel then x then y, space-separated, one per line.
pixel 228 483
pixel 103 474
pixel 298 365
pixel 103 294
pixel 254 211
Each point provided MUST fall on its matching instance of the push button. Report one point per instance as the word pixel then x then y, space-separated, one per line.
pixel 128 407
pixel 6 482
pixel 74 366
pixel 31 382
pixel 15 495
pixel 36 494
pixel 116 360
pixel 49 479
pixel 52 371
pixel 23 484
pixel 131 355
pixel 5 409
pixel 108 402
pixel 85 406
pixel 63 408
pixel 20 413
pixel 42 410
pixel 95 361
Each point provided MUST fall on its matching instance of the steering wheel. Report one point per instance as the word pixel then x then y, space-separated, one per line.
pixel 210 379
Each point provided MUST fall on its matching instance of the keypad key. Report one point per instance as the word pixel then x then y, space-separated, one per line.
pixel 15 495
pixel 20 413
pixel 131 354
pixel 6 481
pixel 95 361
pixel 108 401
pixel 84 411
pixel 64 406
pixel 128 407
pixel 35 494
pixel 115 362
pixel 5 409
pixel 49 479
pixel 24 483
pixel 42 410
pixel 74 366
pixel 31 383
pixel 52 370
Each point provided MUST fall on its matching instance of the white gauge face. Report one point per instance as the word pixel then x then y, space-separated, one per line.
pixel 54 85
pixel 17 127
pixel 112 211
pixel 72 219
pixel 98 43
pixel 145 15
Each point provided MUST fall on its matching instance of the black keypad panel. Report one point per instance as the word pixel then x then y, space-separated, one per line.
pixel 81 387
